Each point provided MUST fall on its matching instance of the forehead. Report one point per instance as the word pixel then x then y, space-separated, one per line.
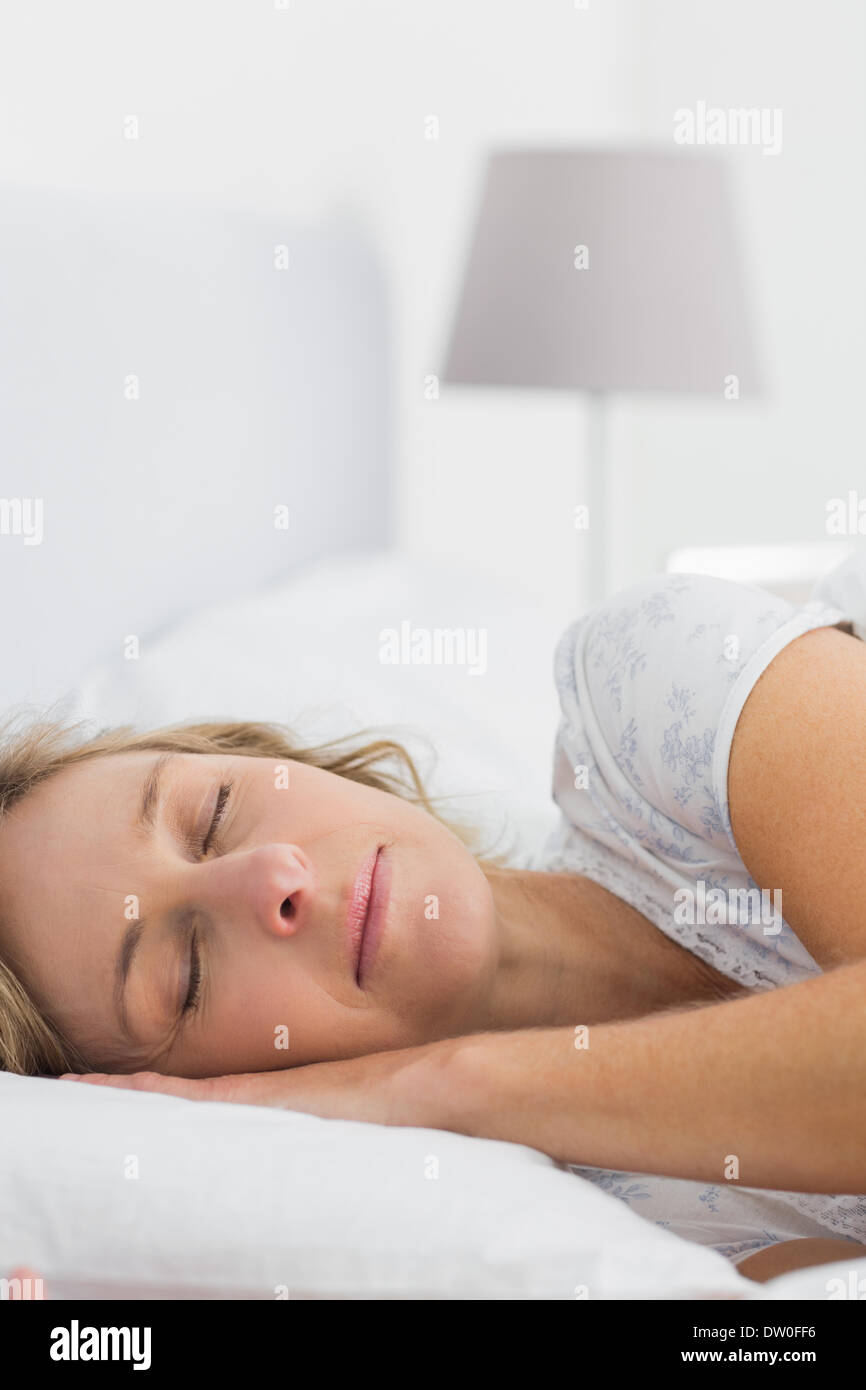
pixel 76 809
pixel 66 852
pixel 52 813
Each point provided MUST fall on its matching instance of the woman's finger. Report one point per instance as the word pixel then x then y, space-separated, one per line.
pixel 182 1086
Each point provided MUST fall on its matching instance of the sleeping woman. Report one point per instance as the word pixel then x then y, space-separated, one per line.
pixel 670 996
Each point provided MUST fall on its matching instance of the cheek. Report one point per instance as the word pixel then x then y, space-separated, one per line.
pixel 446 905
pixel 258 1024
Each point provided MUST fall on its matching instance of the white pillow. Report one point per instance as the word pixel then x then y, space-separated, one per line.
pixel 307 652
pixel 126 1194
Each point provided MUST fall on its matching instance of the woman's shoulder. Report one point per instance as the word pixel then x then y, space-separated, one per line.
pixel 654 680
pixel 690 613
pixel 651 684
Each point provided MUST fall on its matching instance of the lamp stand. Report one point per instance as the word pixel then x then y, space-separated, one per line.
pixel 593 581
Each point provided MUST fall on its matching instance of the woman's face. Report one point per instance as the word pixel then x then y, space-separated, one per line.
pixel 252 875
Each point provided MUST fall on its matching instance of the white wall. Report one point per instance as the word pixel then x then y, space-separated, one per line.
pixel 323 102
pixel 715 473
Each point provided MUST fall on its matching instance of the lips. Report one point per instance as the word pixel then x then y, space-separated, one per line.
pixel 359 905
pixel 367 911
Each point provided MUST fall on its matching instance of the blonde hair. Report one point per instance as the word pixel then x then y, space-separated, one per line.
pixel 30 1042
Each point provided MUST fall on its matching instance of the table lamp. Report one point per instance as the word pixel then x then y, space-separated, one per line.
pixel 603 270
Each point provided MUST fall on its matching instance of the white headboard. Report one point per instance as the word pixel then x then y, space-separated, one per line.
pixel 165 384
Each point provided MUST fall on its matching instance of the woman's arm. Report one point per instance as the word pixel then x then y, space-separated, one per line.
pixel 769 1091
pixel 797 790
pixel 803 1253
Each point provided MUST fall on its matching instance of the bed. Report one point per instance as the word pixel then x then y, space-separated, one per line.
pixel 256 392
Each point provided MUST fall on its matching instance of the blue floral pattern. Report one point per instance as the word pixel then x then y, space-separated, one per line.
pixel 651 685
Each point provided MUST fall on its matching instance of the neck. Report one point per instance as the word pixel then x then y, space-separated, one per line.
pixel 573 953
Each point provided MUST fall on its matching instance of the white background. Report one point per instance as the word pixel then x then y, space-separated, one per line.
pixel 322 105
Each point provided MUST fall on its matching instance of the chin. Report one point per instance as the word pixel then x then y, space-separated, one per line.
pixel 458 966
pixel 448 946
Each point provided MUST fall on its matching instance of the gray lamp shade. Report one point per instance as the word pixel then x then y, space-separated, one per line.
pixel 660 303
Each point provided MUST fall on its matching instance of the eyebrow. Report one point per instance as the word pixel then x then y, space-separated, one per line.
pixel 149 800
pixel 148 806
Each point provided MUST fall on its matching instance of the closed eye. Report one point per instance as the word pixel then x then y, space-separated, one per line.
pixel 194 992
pixel 219 811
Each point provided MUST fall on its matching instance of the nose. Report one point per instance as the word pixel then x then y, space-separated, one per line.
pixel 271 885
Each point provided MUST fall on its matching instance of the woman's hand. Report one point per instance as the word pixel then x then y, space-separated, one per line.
pixel 405 1087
